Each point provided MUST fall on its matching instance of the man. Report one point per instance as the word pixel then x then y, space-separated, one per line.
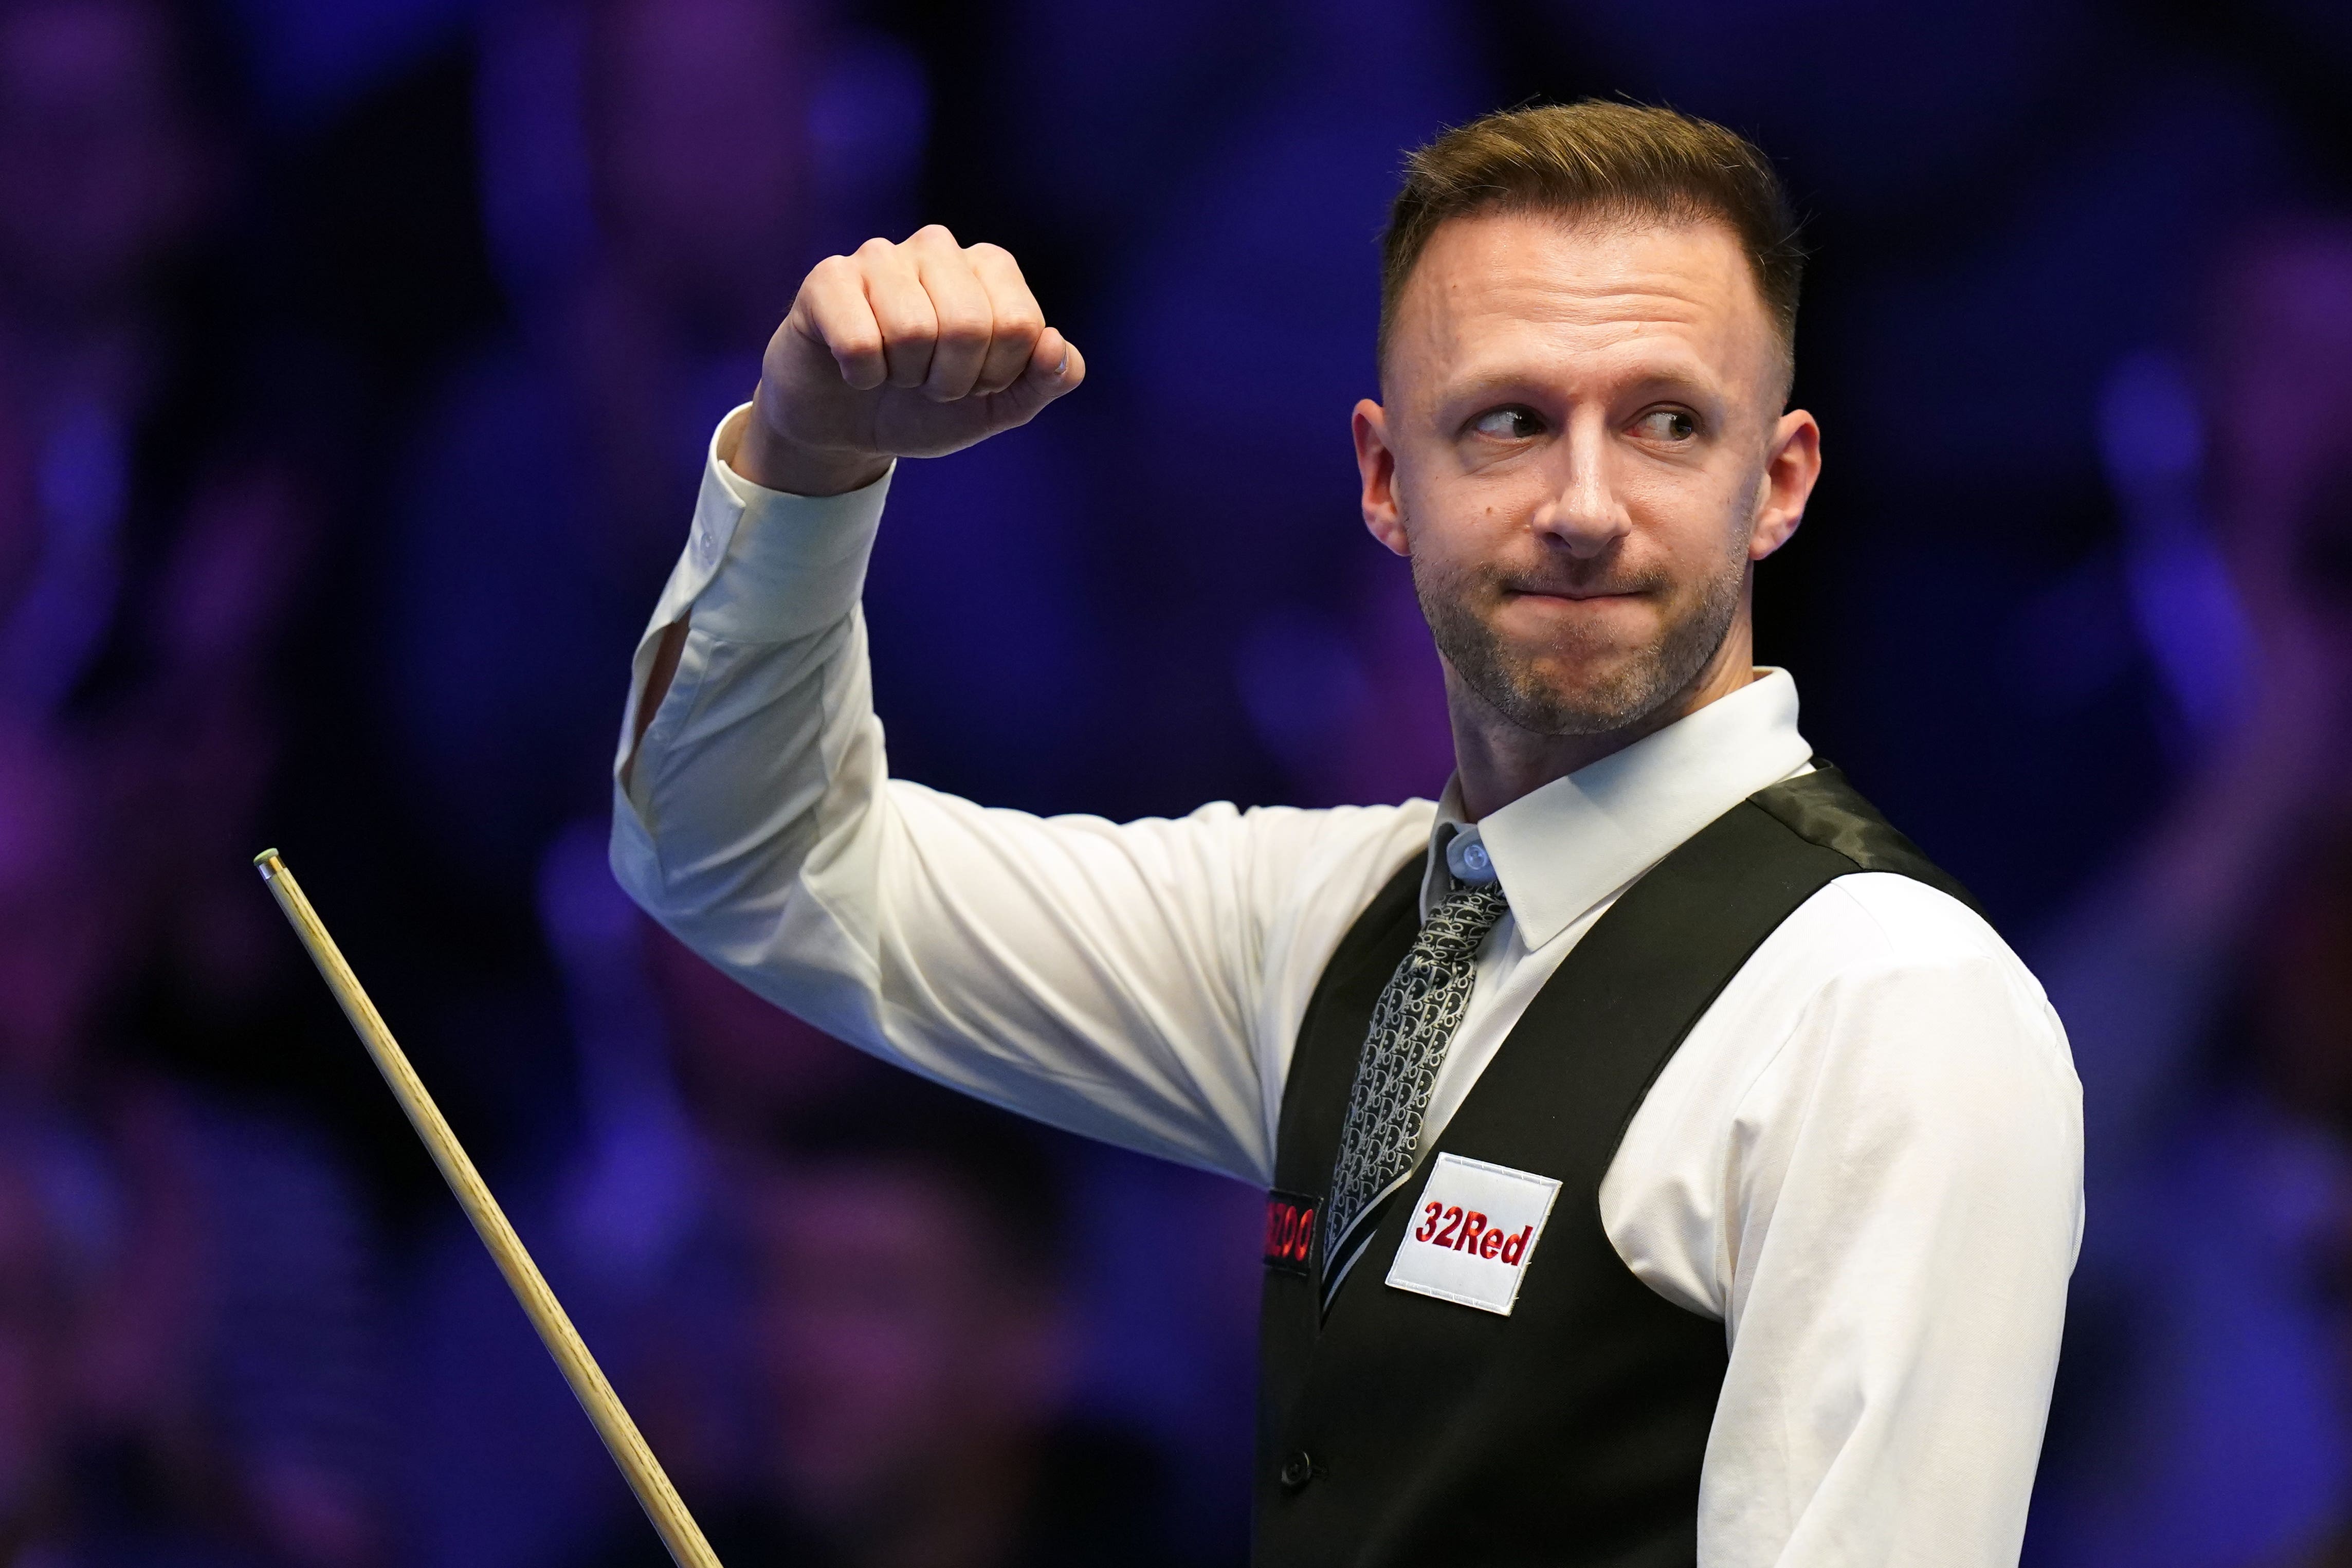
pixel 1668 1162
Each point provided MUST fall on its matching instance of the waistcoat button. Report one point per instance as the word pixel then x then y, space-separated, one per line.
pixel 1297 1471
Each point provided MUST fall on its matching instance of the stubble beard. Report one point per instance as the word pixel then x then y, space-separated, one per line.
pixel 1627 685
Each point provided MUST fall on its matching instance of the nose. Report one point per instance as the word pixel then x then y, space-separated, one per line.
pixel 1584 512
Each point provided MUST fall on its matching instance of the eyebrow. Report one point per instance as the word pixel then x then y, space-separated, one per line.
pixel 1502 384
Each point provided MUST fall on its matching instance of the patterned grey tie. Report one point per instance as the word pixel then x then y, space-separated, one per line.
pixel 1413 1022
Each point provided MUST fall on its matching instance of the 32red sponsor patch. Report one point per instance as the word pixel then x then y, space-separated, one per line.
pixel 1475 1225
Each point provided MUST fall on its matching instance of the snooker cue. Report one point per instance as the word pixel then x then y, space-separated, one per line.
pixel 660 1500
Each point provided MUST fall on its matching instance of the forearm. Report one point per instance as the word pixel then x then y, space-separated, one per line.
pixel 731 830
pixel 730 751
pixel 746 447
pixel 669 646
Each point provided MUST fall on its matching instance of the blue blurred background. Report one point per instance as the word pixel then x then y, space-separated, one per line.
pixel 356 364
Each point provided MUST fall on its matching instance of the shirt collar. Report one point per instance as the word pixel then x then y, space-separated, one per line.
pixel 1562 850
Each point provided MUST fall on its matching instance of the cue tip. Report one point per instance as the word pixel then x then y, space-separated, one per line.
pixel 267 864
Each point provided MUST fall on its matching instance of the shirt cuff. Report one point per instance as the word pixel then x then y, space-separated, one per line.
pixel 763 566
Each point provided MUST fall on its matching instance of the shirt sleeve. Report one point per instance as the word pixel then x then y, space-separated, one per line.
pixel 1903 1205
pixel 1141 982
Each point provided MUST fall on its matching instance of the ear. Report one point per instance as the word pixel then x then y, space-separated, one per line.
pixel 1376 462
pixel 1792 465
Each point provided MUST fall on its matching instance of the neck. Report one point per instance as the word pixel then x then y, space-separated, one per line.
pixel 1497 761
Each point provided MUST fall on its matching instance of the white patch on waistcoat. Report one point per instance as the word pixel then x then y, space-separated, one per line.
pixel 1473 1230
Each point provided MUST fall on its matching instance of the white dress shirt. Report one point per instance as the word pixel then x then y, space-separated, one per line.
pixel 1865 1160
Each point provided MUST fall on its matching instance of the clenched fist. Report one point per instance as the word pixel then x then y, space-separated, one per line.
pixel 898 350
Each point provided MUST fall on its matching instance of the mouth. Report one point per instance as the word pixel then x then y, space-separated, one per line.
pixel 1573 596
pixel 1581 613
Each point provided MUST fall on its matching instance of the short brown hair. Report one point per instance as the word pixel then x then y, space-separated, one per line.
pixel 1609 158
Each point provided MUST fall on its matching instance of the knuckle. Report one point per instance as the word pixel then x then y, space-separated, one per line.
pixel 878 245
pixel 826 285
pixel 963 331
pixel 932 236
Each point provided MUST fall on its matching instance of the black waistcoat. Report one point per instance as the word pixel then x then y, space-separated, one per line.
pixel 1399 1430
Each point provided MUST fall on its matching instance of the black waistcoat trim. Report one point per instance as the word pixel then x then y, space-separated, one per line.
pixel 1398 1429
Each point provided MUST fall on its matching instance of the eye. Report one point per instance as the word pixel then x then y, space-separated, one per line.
pixel 1513 423
pixel 1667 424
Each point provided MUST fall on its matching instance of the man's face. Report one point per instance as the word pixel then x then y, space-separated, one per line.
pixel 1583 452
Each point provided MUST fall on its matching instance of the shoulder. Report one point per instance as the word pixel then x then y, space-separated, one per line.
pixel 1890 919
pixel 1901 988
pixel 1883 1042
pixel 1880 986
pixel 1881 930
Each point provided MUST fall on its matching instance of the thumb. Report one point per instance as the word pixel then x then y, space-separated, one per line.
pixel 1055 368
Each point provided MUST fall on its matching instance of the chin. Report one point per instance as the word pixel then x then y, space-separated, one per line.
pixel 1588 680
pixel 1591 697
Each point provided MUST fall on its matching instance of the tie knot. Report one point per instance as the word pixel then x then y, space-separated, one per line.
pixel 1460 923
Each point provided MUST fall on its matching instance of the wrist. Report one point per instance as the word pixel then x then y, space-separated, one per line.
pixel 756 450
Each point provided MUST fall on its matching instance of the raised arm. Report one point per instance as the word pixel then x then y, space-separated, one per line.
pixel 1140 983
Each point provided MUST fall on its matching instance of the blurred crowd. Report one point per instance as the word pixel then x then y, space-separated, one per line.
pixel 357 362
